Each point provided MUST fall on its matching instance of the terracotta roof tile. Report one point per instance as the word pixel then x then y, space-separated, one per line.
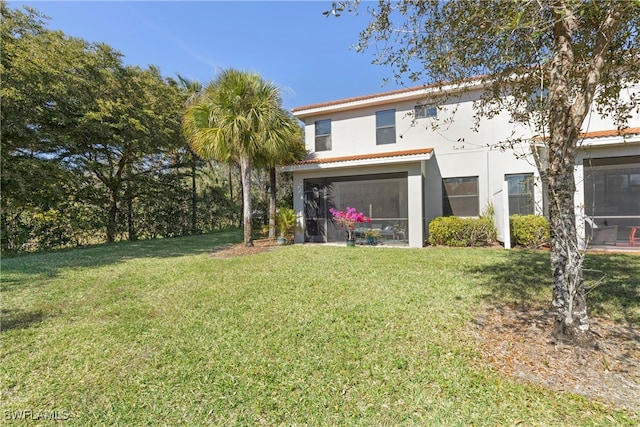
pixel 356 99
pixel 318 160
pixel 601 133
pixel 610 132
pixel 380 94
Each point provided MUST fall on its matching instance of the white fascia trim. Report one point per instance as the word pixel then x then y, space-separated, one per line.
pixel 357 163
pixel 385 98
pixel 610 140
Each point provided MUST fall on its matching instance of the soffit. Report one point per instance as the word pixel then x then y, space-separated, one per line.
pixel 390 157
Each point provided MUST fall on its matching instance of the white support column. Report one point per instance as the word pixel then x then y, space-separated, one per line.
pixel 578 203
pixel 505 214
pixel 298 206
pixel 415 207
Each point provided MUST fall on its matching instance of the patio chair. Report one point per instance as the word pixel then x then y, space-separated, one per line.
pixel 399 232
pixel 601 235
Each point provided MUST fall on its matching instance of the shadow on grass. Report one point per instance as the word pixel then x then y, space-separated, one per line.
pixel 29 268
pixel 521 276
pixel 524 278
pixel 19 319
pixel 613 281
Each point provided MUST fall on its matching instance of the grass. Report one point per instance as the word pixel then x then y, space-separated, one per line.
pixel 161 333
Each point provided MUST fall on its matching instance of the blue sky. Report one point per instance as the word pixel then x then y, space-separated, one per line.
pixel 291 43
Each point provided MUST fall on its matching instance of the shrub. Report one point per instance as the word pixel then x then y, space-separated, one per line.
pixel 51 229
pixel 447 231
pixel 286 222
pixel 531 231
pixel 456 231
pixel 483 232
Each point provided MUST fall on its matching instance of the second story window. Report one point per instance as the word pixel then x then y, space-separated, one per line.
pixel 386 127
pixel 323 135
pixel 425 111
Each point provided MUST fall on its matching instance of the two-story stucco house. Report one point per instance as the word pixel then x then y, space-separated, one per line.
pixel 403 162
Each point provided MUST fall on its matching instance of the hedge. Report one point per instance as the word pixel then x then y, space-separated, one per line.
pixel 530 231
pixel 456 231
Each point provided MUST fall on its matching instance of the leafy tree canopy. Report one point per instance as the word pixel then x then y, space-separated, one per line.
pixel 513 47
pixel 73 117
pixel 547 63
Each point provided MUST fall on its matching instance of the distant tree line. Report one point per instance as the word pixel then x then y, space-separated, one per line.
pixel 93 150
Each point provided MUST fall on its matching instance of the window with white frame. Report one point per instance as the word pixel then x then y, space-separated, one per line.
pixel 460 196
pixel 323 135
pixel 520 188
pixel 425 111
pixel 386 127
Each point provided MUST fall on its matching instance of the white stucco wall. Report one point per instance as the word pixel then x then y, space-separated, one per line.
pixel 460 149
pixel 353 132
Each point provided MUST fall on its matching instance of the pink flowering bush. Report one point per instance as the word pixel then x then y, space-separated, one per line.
pixel 348 219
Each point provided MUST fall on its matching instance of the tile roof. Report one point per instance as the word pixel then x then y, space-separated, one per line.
pixel 358 98
pixel 600 133
pixel 421 90
pixel 610 132
pixel 318 160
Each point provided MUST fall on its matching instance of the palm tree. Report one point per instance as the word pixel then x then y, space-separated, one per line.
pixel 233 119
pixel 284 146
pixel 192 88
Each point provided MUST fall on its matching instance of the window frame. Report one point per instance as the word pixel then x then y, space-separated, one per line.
pixel 425 111
pixel 383 130
pixel 529 192
pixel 448 209
pixel 325 138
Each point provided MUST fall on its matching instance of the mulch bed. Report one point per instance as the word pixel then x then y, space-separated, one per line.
pixel 516 340
pixel 240 249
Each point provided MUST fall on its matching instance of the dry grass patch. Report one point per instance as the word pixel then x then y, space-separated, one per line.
pixel 516 340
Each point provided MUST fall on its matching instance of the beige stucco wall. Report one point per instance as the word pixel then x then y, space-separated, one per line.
pixel 354 132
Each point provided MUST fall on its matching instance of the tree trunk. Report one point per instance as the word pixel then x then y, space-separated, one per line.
pixel 113 213
pixel 230 183
pixel 131 229
pixel 194 196
pixel 569 298
pixel 231 189
pixel 567 112
pixel 245 172
pixel 272 203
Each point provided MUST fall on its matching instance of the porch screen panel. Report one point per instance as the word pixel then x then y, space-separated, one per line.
pixel 315 210
pixel 382 197
pixel 612 192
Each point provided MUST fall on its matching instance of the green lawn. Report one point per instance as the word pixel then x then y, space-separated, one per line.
pixel 161 333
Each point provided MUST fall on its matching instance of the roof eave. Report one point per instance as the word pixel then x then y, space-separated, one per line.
pixel 407 94
pixel 356 163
